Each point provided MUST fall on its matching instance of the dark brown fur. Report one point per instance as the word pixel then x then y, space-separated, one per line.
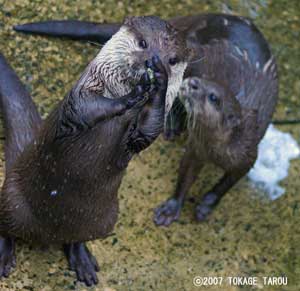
pixel 235 60
pixel 62 181
pixel 230 102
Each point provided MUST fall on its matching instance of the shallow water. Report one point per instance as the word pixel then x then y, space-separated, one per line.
pixel 246 235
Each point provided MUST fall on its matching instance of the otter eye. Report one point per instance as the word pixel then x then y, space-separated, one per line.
pixel 214 99
pixel 195 87
pixel 143 44
pixel 173 61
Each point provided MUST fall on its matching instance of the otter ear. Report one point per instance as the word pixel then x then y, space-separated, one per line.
pixel 169 26
pixel 128 20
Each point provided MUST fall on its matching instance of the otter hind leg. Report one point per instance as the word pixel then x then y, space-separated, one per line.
pixel 7 256
pixel 169 210
pixel 21 122
pixel 212 198
pixel 82 262
pixel 20 116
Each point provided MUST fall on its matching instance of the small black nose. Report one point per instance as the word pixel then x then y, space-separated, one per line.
pixel 194 84
pixel 182 89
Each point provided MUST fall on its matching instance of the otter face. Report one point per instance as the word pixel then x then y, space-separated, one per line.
pixel 210 104
pixel 138 40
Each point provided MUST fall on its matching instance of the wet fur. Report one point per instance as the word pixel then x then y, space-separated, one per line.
pixel 62 181
pixel 227 136
pixel 230 51
pixel 47 163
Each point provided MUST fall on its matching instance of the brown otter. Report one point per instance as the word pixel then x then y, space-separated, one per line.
pixel 239 53
pixel 230 102
pixel 198 29
pixel 62 175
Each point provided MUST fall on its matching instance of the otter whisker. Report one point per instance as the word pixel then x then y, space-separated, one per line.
pixel 96 44
pixel 196 61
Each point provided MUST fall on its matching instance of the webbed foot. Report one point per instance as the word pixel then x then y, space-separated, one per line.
pixel 167 212
pixel 7 256
pixel 82 262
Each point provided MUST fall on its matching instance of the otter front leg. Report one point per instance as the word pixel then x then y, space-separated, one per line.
pixel 151 118
pixel 82 262
pixel 83 109
pixel 212 198
pixel 169 210
pixel 98 108
pixel 7 256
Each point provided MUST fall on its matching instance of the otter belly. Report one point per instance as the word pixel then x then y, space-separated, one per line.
pixel 57 216
pixel 87 222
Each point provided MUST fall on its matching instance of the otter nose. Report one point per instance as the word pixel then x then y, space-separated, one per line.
pixel 194 84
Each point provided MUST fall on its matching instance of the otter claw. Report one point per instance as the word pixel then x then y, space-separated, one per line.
pixel 148 64
pixel 157 64
pixel 167 212
pixel 155 59
pixel 145 82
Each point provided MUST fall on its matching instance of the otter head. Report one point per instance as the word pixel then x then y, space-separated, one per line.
pixel 121 62
pixel 210 106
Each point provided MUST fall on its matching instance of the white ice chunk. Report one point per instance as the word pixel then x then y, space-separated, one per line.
pixel 275 151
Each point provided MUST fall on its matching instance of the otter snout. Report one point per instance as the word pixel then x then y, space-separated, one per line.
pixel 193 84
pixel 190 88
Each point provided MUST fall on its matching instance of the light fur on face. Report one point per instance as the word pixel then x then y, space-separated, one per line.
pixel 114 64
pixel 201 113
pixel 114 73
pixel 174 83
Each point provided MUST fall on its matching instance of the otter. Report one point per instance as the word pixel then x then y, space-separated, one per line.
pixel 62 175
pixel 232 63
pixel 198 29
pixel 229 101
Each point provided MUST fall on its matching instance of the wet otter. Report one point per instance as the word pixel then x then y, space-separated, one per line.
pixel 198 29
pixel 241 68
pixel 230 102
pixel 63 174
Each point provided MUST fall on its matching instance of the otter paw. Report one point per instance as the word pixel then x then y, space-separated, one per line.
pixel 160 74
pixel 7 256
pixel 207 205
pixel 138 95
pixel 83 263
pixel 167 212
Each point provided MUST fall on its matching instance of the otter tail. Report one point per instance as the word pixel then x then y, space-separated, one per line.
pixel 20 116
pixel 73 29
